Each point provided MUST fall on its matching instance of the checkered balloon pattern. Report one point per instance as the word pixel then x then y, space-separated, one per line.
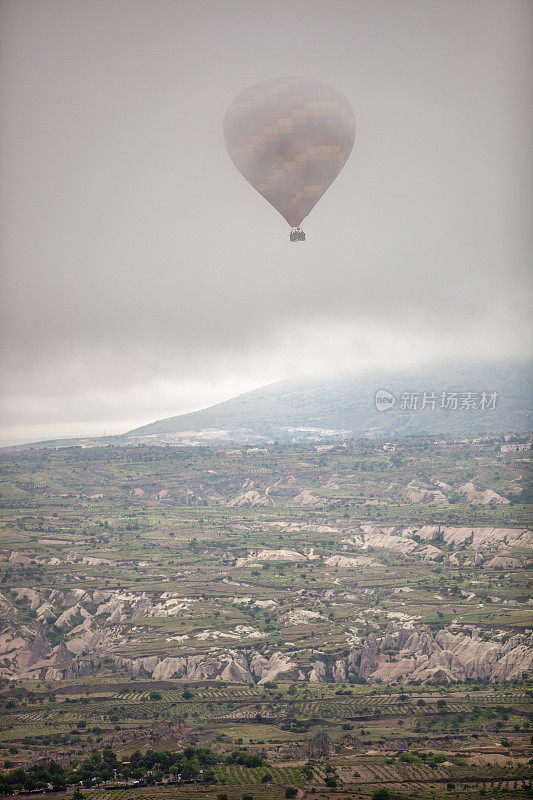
pixel 290 138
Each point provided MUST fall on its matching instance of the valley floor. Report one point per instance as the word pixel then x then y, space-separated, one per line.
pixel 354 616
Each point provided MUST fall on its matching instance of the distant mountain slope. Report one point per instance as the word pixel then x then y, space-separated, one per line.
pixel 346 406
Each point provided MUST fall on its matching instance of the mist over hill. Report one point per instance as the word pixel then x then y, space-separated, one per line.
pixel 451 398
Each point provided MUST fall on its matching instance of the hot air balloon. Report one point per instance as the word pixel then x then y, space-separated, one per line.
pixel 290 138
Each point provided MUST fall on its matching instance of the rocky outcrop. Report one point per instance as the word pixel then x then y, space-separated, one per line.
pixel 406 650
pixel 350 562
pixel 448 656
pixel 477 497
pixel 235 672
pixel 307 498
pixel 168 728
pixel 320 746
pixel 284 556
pixel 417 494
pixel 318 672
pixel 479 538
pixel 36 650
pixel 301 616
pixel 503 561
pixel 251 498
pixel 278 664
pixel 83 667
pixel 167 668
pixel 399 654
pixel 71 617
pixel 416 541
pixel 339 671
pixel 62 654
pixel 515 662
pixel 350 742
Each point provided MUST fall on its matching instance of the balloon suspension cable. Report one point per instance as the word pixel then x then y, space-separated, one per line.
pixel 297 235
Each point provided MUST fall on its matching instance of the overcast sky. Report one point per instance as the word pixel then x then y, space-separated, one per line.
pixel 143 277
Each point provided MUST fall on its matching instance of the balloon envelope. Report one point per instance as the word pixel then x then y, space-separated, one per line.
pixel 290 138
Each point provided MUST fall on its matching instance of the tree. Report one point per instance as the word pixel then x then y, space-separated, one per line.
pixel 381 794
pixel 291 791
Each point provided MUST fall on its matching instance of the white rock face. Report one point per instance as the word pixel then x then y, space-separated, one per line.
pixel 477 497
pixel 234 672
pixel 446 657
pixel 18 558
pixel 417 494
pixel 503 561
pixel 277 665
pixel 66 620
pixel 251 498
pixel 392 539
pixel 339 671
pixel 110 607
pixel 265 604
pixel 401 540
pixel 349 562
pixel 407 650
pixel 170 668
pixel 318 672
pixel 307 498
pixel 34 598
pixel 301 616
pixel 287 556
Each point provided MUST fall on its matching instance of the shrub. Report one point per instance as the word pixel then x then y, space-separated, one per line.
pixel 410 758
pixel 381 794
pixel 291 791
pixel 244 758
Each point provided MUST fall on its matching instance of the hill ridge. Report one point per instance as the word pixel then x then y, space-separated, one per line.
pixel 345 405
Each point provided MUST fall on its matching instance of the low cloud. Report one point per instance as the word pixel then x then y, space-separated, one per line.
pixel 143 277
